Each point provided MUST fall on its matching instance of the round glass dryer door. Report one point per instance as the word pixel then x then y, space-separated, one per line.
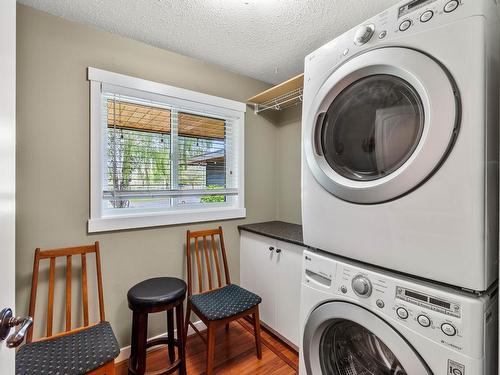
pixel 381 124
pixel 341 338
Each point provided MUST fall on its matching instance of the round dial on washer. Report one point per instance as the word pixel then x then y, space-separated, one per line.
pixel 362 286
pixel 448 329
pixel 364 34
pixel 405 25
pixel 450 6
pixel 402 312
pixel 426 16
pixel 423 320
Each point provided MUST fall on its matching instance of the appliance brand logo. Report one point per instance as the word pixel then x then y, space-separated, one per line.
pixel 455 368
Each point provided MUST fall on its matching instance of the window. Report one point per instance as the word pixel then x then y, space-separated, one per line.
pixel 162 155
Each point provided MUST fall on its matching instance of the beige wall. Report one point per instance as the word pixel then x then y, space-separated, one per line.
pixel 53 155
pixel 288 158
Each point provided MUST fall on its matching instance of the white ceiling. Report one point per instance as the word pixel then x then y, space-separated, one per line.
pixel 264 39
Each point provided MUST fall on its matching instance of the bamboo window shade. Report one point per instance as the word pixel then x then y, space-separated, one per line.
pixel 132 116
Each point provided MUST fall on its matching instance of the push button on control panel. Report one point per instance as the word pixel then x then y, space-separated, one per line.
pixel 405 25
pixel 451 6
pixel 448 329
pixel 424 321
pixel 402 312
pixel 426 16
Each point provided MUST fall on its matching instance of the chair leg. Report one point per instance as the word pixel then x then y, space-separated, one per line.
pixel 210 349
pixel 186 323
pixel 107 369
pixel 110 368
pixel 170 335
pixel 256 328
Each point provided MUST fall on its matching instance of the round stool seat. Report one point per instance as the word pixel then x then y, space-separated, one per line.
pixel 156 292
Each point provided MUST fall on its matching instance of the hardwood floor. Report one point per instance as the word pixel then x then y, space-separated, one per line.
pixel 234 354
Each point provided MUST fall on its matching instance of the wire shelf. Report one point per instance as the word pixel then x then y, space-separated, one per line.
pixel 282 96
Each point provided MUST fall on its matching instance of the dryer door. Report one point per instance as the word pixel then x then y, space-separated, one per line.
pixel 381 124
pixel 341 338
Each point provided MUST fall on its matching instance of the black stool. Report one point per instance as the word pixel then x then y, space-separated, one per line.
pixel 151 296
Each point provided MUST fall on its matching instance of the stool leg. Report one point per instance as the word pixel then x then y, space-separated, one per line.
pixel 137 362
pixel 170 335
pixel 181 337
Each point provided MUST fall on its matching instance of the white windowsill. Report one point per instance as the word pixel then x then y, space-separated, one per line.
pixel 165 218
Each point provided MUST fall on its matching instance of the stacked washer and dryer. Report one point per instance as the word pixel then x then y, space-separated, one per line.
pixel 400 194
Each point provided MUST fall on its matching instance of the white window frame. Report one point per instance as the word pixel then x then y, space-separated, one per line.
pixel 99 221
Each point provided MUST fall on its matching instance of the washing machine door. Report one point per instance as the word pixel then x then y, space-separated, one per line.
pixel 341 338
pixel 381 124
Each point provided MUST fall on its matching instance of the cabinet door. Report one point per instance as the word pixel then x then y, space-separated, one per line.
pixel 288 279
pixel 258 271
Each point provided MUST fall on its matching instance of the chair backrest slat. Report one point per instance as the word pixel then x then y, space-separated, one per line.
pixel 67 253
pixel 208 262
pixel 85 293
pixel 50 305
pixel 216 260
pixel 224 258
pixel 198 262
pixel 68 293
pixel 100 291
pixel 209 252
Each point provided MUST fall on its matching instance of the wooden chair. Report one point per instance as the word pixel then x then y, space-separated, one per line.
pixel 221 302
pixel 88 349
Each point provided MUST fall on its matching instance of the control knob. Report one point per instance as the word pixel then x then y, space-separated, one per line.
pixel 364 34
pixel 362 286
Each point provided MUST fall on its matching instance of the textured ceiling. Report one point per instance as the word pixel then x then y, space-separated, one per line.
pixel 264 39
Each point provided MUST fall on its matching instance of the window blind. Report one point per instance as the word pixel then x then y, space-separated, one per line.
pixel 166 156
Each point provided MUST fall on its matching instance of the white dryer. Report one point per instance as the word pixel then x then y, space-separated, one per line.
pixel 357 320
pixel 400 142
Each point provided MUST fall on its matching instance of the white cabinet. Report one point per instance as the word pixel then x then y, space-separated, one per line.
pixel 272 269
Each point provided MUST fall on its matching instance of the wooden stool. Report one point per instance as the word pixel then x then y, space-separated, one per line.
pixel 152 296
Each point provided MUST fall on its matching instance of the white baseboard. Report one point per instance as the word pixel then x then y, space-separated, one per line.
pixel 125 351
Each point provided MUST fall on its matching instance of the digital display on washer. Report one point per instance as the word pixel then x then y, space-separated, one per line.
pixel 427 301
pixel 421 297
pixel 412 5
pixel 438 302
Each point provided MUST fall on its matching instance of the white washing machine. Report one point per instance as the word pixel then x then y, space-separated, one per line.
pixel 357 320
pixel 400 142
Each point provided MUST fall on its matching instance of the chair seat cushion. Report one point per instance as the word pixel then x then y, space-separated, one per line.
pixel 156 292
pixel 74 354
pixel 225 302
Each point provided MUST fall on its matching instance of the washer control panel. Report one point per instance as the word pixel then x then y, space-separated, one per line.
pixel 447 316
pixel 434 315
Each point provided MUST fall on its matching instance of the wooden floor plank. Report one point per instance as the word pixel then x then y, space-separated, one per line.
pixel 234 355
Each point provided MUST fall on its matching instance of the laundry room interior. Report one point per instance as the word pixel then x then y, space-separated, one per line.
pixel 249 187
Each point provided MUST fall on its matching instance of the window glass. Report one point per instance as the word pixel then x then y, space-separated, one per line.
pixel 158 155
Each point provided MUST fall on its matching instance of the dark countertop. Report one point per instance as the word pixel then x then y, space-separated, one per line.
pixel 278 230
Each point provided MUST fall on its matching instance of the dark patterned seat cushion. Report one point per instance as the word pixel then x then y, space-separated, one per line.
pixel 225 302
pixel 74 354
